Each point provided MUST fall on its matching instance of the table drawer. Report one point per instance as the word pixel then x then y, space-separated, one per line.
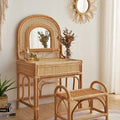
pixel 58 69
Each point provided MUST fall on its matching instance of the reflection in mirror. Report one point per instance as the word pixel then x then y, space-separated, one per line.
pixel 40 38
pixel 82 6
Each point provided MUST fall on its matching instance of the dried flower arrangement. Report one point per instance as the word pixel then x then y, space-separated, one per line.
pixel 66 40
pixel 44 37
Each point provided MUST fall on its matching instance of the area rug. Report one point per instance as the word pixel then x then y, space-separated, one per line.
pixel 113 115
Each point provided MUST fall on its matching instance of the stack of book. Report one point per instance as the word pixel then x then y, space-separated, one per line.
pixel 7 111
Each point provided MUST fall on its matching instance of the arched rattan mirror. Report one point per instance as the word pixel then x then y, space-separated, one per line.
pixel 31 32
pixel 83 10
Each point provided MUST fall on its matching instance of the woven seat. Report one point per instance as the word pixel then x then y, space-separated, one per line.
pixel 81 95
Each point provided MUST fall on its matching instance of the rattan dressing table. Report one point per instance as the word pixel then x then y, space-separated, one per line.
pixel 31 74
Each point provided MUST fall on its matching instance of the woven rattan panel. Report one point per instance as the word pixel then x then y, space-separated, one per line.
pixel 83 93
pixel 25 68
pixel 54 66
pixel 58 69
pixel 37 19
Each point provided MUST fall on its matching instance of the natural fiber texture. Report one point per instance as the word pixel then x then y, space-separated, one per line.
pixel 51 67
pixel 82 93
pixel 86 16
pixel 78 96
pixel 3 102
pixel 58 67
pixel 34 21
pixel 3 6
pixel 37 20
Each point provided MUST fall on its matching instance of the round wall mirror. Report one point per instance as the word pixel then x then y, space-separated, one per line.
pixel 83 10
pixel 40 38
pixel 82 6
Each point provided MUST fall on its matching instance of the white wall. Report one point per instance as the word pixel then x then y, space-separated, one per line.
pixel 85 47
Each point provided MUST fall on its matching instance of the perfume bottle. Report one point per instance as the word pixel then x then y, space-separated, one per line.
pixel 27 54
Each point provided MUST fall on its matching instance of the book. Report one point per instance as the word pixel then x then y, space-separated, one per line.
pixel 7 114
pixel 7 108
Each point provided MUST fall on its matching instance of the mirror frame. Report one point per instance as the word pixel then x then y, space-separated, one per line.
pixel 84 17
pixel 28 37
pixel 27 24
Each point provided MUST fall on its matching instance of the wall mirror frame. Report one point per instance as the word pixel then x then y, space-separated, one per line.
pixel 83 15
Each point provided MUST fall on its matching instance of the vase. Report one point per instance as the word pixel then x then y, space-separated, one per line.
pixel 68 53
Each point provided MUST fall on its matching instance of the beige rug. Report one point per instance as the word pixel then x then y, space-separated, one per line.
pixel 113 115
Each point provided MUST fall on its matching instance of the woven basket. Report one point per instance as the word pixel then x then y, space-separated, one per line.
pixel 3 102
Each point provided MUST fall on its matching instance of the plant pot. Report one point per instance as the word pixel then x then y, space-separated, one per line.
pixel 3 101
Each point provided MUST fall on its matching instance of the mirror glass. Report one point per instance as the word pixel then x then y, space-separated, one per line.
pixel 40 38
pixel 82 6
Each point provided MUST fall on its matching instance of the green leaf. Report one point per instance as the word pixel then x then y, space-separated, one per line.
pixel 11 88
pixel 4 89
pixel 1 93
pixel 5 83
pixel 4 95
pixel 5 86
pixel 0 82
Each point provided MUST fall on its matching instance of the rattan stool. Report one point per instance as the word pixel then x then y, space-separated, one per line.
pixel 79 96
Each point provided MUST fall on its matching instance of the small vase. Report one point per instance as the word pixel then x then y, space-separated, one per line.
pixel 68 53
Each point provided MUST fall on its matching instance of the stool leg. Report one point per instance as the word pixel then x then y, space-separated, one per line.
pixel 69 110
pixel 91 105
pixel 36 107
pixel 106 109
pixel 55 109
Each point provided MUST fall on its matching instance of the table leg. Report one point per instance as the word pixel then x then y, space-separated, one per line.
pixel 36 106
pixel 18 91
pixel 60 82
pixel 79 87
pixel 80 82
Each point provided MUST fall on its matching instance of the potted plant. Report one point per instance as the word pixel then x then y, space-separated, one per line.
pixel 4 87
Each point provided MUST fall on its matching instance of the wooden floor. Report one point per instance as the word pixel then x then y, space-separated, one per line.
pixel 47 110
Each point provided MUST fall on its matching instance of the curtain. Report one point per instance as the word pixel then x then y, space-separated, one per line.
pixel 110 46
pixel 3 6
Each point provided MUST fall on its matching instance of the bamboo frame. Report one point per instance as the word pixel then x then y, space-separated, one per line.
pixel 52 63
pixel 37 94
pixel 80 95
